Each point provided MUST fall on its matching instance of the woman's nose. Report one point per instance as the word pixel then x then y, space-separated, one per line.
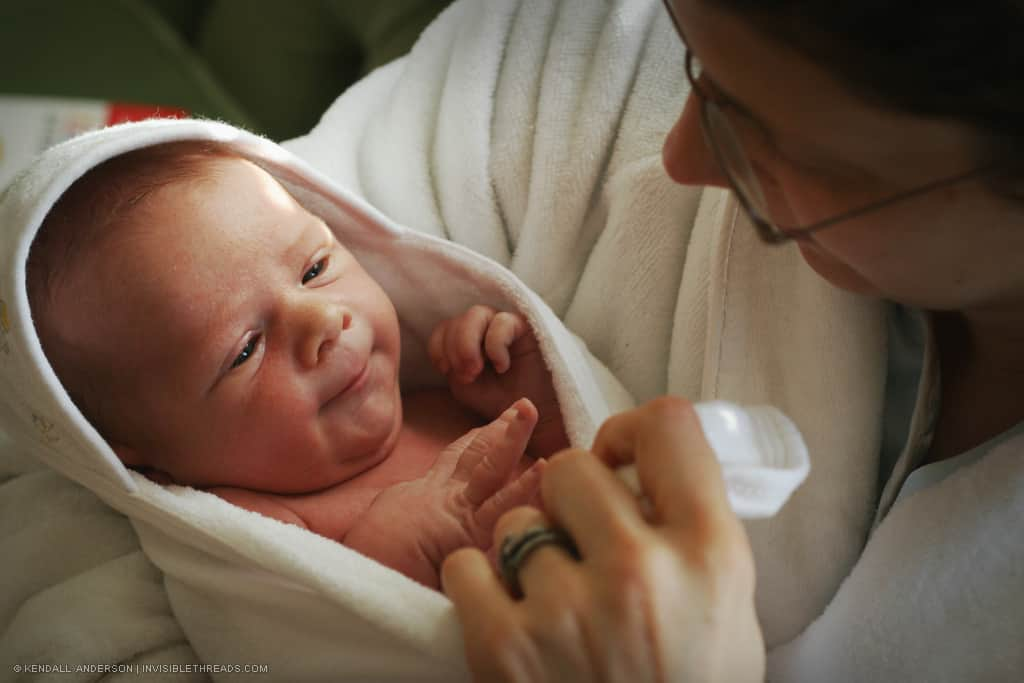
pixel 318 323
pixel 686 156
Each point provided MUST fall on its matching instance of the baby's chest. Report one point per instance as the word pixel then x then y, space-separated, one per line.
pixel 431 421
pixel 434 419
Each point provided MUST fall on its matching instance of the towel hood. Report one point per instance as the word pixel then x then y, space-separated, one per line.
pixel 36 410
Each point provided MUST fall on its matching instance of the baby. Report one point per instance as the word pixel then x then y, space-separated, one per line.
pixel 218 335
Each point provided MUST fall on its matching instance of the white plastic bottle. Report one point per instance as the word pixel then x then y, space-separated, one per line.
pixel 763 456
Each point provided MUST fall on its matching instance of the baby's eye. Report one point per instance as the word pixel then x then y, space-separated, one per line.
pixel 247 352
pixel 317 268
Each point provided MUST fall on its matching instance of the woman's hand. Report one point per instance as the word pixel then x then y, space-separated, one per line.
pixel 661 595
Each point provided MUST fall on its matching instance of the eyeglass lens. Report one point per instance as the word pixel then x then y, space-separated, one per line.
pixel 723 137
pixel 725 141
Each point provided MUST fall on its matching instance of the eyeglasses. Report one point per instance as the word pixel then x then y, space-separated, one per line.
pixel 722 138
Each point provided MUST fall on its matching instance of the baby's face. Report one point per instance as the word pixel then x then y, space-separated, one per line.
pixel 249 348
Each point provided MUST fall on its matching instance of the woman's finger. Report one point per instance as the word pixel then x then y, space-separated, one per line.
pixel 489 617
pixel 521 491
pixel 544 571
pixel 586 498
pixel 678 470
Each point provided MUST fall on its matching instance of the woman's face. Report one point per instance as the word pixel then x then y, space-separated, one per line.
pixel 820 151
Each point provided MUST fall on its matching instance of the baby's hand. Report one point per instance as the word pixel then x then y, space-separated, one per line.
pixel 414 525
pixel 459 347
pixel 490 359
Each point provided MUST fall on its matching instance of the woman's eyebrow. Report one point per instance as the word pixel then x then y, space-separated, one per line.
pixel 722 98
pixel 801 149
pixel 726 100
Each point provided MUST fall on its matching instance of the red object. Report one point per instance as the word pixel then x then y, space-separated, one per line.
pixel 121 112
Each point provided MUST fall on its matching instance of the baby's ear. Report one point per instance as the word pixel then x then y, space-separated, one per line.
pixel 154 475
pixel 128 455
pixel 131 458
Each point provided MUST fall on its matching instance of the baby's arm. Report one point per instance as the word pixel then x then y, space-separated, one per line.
pixel 492 358
pixel 412 526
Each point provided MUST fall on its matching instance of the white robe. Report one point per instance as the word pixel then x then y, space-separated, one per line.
pixel 529 132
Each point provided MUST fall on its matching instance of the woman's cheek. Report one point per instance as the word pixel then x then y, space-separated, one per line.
pixel 779 198
pixel 798 197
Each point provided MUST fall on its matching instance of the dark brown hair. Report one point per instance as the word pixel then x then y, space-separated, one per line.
pixel 93 210
pixel 944 59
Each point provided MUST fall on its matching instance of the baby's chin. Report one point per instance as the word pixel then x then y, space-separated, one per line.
pixel 368 436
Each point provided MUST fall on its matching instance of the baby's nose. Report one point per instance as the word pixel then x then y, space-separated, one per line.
pixel 322 324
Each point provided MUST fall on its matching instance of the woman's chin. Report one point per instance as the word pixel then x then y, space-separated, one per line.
pixel 836 272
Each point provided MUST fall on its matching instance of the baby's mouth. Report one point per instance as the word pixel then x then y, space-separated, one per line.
pixel 354 383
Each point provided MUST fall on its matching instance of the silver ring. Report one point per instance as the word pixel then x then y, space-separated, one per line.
pixel 515 549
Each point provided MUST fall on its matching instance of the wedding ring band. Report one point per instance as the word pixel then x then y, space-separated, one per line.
pixel 515 549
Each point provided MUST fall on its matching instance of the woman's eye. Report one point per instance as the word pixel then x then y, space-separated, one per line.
pixel 250 348
pixel 317 268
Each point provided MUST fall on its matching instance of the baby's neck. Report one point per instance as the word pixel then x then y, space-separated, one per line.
pixel 432 419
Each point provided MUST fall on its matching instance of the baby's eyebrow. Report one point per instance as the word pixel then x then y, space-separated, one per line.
pixel 215 340
pixel 298 246
pixel 212 350
pixel 315 233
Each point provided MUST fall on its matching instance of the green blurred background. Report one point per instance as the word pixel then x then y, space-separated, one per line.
pixel 272 66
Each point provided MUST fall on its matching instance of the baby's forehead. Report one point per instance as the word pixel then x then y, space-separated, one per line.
pixel 232 201
pixel 239 221
pixel 187 236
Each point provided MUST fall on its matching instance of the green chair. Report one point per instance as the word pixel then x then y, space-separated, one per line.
pixel 267 65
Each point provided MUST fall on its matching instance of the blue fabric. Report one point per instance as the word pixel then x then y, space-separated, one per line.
pixel 908 330
pixel 934 472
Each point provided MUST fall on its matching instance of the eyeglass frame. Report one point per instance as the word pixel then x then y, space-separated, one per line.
pixel 768 230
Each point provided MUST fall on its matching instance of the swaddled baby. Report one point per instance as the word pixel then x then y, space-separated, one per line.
pixel 218 335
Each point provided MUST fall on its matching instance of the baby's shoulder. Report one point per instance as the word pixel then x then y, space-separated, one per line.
pixel 266 504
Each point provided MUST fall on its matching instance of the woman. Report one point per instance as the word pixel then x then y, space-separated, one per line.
pixel 883 142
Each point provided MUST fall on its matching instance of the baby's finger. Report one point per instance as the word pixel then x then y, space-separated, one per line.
pixel 464 342
pixel 504 329
pixel 465 451
pixel 474 445
pixel 506 439
pixel 436 346
pixel 524 490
